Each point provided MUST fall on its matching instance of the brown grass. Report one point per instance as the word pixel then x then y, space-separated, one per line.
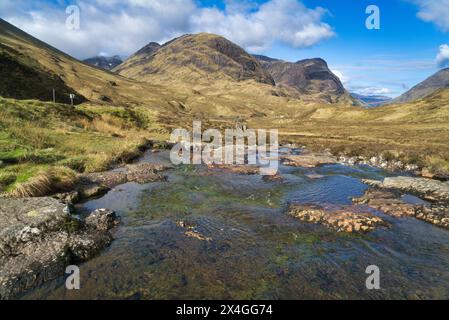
pixel 46 182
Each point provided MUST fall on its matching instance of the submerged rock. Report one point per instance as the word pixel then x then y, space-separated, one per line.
pixel 190 231
pixel 341 220
pixel 427 189
pixel 238 169
pixel 39 238
pixel 387 202
pixel 273 178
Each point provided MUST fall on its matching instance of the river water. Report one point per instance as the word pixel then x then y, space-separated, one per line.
pixel 250 248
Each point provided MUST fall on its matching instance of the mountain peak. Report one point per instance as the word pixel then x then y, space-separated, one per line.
pixel 307 77
pixel 149 49
pixel 104 62
pixel 194 57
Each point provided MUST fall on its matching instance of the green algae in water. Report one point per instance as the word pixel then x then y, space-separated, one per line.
pixel 257 251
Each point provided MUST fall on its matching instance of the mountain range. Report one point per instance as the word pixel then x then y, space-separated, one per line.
pixel 198 74
pixel 104 62
pixel 372 100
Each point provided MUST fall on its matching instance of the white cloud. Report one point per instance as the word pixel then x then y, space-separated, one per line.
pixel 443 56
pixel 122 27
pixel 343 78
pixel 373 91
pixel 435 11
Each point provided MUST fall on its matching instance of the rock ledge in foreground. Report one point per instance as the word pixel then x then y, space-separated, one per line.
pixel 39 238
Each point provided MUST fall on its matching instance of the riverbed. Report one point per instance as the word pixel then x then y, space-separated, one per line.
pixel 213 234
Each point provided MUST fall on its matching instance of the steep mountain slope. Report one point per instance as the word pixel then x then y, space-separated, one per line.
pixel 195 59
pixel 37 68
pixel 107 63
pixel 438 81
pixel 24 78
pixel 310 77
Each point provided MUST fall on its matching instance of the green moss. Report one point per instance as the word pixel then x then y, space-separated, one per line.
pixel 71 226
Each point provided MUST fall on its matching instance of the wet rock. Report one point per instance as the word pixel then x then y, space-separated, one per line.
pixel 342 220
pixel 308 160
pixel 145 173
pixel 192 232
pixel 108 179
pixel 68 197
pixel 388 202
pixel 273 178
pixel 102 219
pixel 431 190
pixel 392 203
pixel 39 238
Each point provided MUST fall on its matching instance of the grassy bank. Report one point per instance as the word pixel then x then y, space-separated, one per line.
pixel 43 146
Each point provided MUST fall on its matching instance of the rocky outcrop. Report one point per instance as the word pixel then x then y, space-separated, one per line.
pixel 342 220
pixel 307 77
pixel 39 237
pixel 427 189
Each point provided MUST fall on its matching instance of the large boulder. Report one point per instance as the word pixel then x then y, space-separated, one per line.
pixel 39 237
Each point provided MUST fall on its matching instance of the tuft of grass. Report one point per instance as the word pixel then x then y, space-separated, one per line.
pixel 437 165
pixel 6 179
pixel 51 180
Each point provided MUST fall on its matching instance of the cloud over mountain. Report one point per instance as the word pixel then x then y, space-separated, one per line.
pixel 443 56
pixel 121 27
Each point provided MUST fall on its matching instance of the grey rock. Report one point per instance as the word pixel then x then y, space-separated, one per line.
pixel 427 189
pixel 39 238
pixel 101 219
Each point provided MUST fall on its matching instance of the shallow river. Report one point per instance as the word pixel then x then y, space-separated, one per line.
pixel 255 250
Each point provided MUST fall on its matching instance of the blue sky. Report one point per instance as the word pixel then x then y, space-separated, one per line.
pixel 387 61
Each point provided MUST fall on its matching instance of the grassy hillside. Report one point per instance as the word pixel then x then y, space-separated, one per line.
pixel 47 144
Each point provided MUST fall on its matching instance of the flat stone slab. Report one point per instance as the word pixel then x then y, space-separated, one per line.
pixel 308 160
pixel 341 220
pixel 427 189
